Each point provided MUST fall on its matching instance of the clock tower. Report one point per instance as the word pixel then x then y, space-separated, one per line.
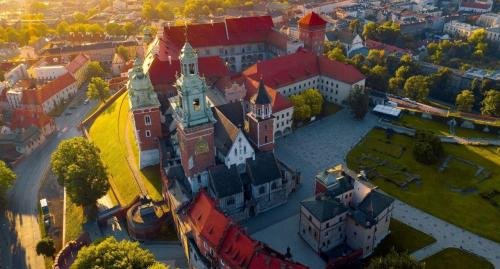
pixel 195 122
pixel 259 122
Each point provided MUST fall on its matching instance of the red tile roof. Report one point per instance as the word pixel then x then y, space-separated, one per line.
pixel 474 4
pixel 279 102
pixel 55 86
pixel 372 44
pixel 292 68
pixel 77 63
pixel 270 259
pixel 206 220
pixel 163 72
pixel 238 248
pixel 23 118
pixel 234 31
pixel 311 20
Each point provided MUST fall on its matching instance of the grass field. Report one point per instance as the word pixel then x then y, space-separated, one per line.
pixel 74 220
pixel 403 238
pixel 433 194
pixel 415 122
pixel 109 133
pixel 456 259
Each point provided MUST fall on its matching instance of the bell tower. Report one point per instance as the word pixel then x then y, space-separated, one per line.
pixel 195 121
pixel 259 123
pixel 145 109
pixel 312 29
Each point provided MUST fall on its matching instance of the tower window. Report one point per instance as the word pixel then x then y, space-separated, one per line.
pixel 196 104
pixel 191 69
pixel 147 120
pixel 148 133
pixel 265 139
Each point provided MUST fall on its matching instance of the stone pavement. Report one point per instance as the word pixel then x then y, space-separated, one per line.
pixel 286 234
pixel 310 149
pixel 446 234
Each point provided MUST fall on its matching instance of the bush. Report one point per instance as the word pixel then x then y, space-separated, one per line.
pixel 428 148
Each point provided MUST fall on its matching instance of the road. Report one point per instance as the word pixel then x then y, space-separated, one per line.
pixel 23 234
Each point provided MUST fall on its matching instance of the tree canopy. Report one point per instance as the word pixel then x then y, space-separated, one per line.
pixel 417 87
pixel 78 167
pixel 491 103
pixel 98 89
pixel 7 177
pixel 95 69
pixel 123 52
pixel 358 102
pixel 111 253
pixel 427 148
pixel 464 101
pixel 46 247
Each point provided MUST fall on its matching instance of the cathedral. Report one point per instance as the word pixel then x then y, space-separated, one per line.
pixel 227 150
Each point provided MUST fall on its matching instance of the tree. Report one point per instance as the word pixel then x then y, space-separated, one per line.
pixel 95 69
pixel 301 111
pixel 114 29
pixel 395 260
pixel 123 52
pixel 46 247
pixel 98 89
pixel 158 266
pixel 111 253
pixel 427 148
pixel 314 100
pixel 396 84
pixel 378 77
pixel 78 167
pixel 358 102
pixel 464 101
pixel 354 26
pixel 336 54
pixel 417 87
pixel 7 177
pixel 62 28
pixel 491 103
pixel 369 30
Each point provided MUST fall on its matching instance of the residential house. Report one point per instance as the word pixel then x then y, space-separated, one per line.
pixel 78 68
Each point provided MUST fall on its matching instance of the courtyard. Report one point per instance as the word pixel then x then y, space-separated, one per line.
pixel 451 192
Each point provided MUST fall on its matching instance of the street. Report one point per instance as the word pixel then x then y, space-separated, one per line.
pixel 23 234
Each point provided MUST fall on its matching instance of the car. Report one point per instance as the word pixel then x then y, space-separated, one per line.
pixel 86 101
pixel 44 206
pixel 68 113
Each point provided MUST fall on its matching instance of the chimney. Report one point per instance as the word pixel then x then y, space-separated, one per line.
pixel 170 59
pixel 227 32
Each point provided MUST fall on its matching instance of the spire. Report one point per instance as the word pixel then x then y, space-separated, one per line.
pixel 261 98
pixel 187 51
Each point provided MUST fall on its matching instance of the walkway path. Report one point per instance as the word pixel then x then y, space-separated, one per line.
pixel 447 235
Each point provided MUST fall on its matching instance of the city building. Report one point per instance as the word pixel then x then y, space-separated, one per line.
pixel 78 68
pixel 477 6
pixel 459 29
pixel 345 211
pixel 312 28
pixel 489 20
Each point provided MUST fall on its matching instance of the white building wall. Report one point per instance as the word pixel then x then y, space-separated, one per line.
pixel 360 192
pixel 49 72
pixel 283 121
pixel 239 152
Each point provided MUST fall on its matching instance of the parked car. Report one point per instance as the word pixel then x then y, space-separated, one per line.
pixel 44 206
pixel 86 101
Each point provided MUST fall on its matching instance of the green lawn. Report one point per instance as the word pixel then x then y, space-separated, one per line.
pixel 434 194
pixel 74 221
pixel 403 238
pixel 456 259
pixel 109 133
pixel 416 122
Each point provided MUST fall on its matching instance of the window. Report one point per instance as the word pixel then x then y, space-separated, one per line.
pixel 327 224
pixel 196 104
pixel 147 120
pixel 262 190
pixel 235 151
pixel 148 133
pixel 369 237
pixel 230 201
pixel 340 228
pixel 244 149
pixel 310 218
pixel 273 186
pixel 340 219
pixel 265 139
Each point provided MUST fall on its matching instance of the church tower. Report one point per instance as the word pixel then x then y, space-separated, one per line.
pixel 195 122
pixel 312 29
pixel 145 109
pixel 259 123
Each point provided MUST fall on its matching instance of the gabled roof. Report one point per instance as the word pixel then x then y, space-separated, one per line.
pixel 323 207
pixel 225 182
pixel 390 49
pixel 261 97
pixel 374 203
pixel 238 248
pixel 75 64
pixel 232 31
pixel 279 102
pixel 164 72
pixel 234 112
pixel 263 169
pixel 270 259
pixel 37 96
pixel 225 131
pixel 311 20
pixel 206 220
pixel 24 118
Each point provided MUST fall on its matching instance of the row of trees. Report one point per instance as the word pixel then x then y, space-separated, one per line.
pixel 307 104
pixel 489 106
pixel 460 53
pixel 7 177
